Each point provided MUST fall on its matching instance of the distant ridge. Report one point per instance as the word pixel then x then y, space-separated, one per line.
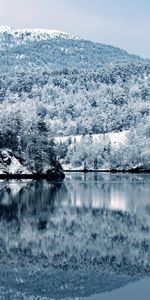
pixel 23 49
pixel 35 33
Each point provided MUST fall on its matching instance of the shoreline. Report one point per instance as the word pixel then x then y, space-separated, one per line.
pixel 62 176
pixel 137 170
pixel 32 176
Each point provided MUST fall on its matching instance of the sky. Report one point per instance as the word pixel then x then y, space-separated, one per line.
pixel 121 23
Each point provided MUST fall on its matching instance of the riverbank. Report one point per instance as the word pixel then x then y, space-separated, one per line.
pixel 61 176
pixel 35 176
pixel 134 170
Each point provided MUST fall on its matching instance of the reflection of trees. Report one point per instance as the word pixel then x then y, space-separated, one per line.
pixel 33 198
pixel 31 203
pixel 41 227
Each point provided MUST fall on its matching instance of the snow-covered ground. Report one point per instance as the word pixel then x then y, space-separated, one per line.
pixel 116 138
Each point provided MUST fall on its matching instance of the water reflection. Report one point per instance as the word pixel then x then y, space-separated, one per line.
pixel 86 235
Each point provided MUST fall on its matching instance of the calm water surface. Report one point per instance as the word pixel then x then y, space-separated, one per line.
pixel 85 237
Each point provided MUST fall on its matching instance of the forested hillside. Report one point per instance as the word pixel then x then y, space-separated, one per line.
pixel 53 84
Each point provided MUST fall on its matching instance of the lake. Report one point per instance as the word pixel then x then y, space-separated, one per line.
pixel 85 237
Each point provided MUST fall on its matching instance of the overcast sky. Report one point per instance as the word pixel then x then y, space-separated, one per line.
pixel 123 23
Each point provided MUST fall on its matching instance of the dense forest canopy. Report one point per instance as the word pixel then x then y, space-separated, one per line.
pixel 64 86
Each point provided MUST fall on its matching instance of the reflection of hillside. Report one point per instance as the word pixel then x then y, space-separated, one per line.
pixel 89 229
pixel 113 192
pixel 109 191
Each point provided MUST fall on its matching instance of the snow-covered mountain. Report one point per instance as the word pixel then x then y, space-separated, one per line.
pixel 20 36
pixel 30 48
pixel 54 84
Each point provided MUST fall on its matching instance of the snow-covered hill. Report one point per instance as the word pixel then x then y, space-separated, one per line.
pixel 23 49
pixel 20 36
pixel 54 84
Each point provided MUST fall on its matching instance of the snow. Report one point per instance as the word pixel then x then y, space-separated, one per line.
pixel 35 33
pixel 116 138
pixel 16 167
pixel 12 167
pixel 5 28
